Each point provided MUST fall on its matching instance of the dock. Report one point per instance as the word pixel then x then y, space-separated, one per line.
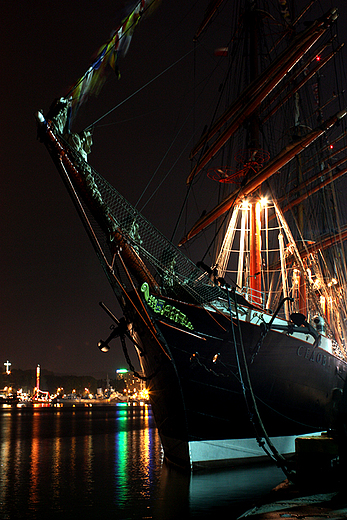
pixel 318 490
pixel 307 507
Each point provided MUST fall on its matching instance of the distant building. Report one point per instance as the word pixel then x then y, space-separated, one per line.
pixel 133 384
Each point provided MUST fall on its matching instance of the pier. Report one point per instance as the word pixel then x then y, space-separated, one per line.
pixel 318 489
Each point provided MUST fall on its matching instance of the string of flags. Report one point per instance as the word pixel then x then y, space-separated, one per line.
pixel 106 59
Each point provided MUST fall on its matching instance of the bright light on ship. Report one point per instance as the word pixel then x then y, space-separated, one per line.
pixel 264 201
pixel 245 204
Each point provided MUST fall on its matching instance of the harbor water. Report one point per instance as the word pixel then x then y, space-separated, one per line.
pixel 107 462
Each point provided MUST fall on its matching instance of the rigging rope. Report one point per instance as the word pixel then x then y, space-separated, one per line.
pixel 275 455
pixel 161 162
pixel 131 366
pixel 139 89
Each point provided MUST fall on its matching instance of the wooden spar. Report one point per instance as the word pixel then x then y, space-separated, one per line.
pixel 302 294
pixel 297 73
pixel 295 22
pixel 259 89
pixel 304 184
pixel 211 10
pixel 303 12
pixel 331 145
pixel 244 113
pixel 313 190
pixel 315 69
pixel 321 173
pixel 323 244
pixel 328 241
pixel 255 85
pixel 285 156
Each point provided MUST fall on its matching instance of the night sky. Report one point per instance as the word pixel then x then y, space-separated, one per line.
pixel 51 280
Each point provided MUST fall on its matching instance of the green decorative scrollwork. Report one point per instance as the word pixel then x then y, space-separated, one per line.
pixel 160 306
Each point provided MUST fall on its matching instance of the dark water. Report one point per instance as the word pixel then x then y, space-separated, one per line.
pixel 107 463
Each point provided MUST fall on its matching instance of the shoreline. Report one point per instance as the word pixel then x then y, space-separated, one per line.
pixel 65 404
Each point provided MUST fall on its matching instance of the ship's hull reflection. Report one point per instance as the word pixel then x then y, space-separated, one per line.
pixel 209 494
pixel 108 461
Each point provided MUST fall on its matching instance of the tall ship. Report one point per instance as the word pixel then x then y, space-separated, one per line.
pixel 242 341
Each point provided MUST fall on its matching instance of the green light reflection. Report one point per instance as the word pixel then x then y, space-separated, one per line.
pixel 121 454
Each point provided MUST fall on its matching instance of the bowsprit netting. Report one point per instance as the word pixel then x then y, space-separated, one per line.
pixel 176 274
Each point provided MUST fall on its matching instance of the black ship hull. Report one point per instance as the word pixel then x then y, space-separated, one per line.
pixel 201 397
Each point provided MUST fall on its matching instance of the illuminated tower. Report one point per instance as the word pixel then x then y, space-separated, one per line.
pixel 38 377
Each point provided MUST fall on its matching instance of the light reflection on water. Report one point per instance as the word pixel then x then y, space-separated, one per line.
pixel 88 463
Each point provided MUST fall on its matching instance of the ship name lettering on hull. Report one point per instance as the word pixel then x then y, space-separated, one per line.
pixel 314 355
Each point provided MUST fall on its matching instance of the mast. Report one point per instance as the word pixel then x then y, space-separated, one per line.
pixel 301 278
pixel 255 266
pixel 253 144
pixel 249 101
pixel 248 228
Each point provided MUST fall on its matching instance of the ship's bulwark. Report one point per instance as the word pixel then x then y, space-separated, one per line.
pixel 197 399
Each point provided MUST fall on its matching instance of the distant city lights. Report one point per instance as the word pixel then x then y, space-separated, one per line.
pixel 127 388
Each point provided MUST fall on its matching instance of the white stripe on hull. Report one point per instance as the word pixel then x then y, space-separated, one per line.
pixel 236 451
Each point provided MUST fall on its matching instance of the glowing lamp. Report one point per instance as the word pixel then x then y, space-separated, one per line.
pixel 103 346
pixel 263 201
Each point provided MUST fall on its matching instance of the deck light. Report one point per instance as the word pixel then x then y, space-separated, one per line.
pixel 103 346
pixel 264 201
